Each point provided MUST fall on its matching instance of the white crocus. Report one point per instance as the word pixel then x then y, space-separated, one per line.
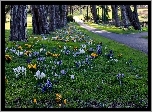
pixel 83 46
pixel 56 75
pixel 19 70
pixel 54 38
pixel 81 51
pixel 39 75
pixel 16 71
pixel 115 60
pixel 72 76
pixel 18 53
pixel 23 71
pixel 41 49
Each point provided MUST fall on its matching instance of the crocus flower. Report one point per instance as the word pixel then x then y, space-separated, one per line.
pixel 19 53
pixel 63 72
pixel 94 55
pixel 47 86
pixel 27 53
pixel 34 101
pixel 35 53
pixel 119 76
pixel 20 47
pixel 81 51
pixel 65 101
pixel 59 62
pixel 72 76
pixel 13 50
pixel 56 74
pixel 19 70
pixel 110 55
pixel 99 50
pixel 30 66
pixel 83 46
pixel 8 58
pixel 39 75
pixel 42 49
pixel 28 60
pixel 41 59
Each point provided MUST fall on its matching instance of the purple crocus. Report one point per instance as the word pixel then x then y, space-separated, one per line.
pixel 59 62
pixel 99 50
pixel 63 72
pixel 67 52
pixel 47 86
pixel 28 60
pixel 36 53
pixel 41 59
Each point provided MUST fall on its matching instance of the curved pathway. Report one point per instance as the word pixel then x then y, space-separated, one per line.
pixel 132 40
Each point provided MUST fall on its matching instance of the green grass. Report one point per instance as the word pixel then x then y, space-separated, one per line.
pixel 98 83
pixel 113 29
pixel 146 37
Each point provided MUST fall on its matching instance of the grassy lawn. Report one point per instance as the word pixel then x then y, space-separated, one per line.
pixel 75 84
pixel 146 37
pixel 112 28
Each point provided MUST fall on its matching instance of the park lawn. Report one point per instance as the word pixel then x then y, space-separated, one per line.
pixel 94 83
pixel 146 37
pixel 113 29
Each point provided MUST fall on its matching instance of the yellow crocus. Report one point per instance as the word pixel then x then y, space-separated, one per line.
pixel 65 101
pixel 20 47
pixel 35 101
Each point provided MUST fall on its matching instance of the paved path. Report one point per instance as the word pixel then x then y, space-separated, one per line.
pixel 132 40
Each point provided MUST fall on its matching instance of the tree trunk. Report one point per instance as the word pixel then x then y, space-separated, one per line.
pixel 124 16
pixel 70 9
pixel 133 17
pixel 87 14
pixel 52 24
pixel 117 20
pixel 63 16
pixel 39 19
pixel 57 15
pixel 113 13
pixel 94 12
pixel 18 23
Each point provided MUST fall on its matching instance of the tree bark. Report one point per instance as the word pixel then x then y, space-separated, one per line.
pixel 124 16
pixel 39 19
pixel 94 12
pixel 57 15
pixel 117 20
pixel 133 17
pixel 18 23
pixel 63 16
pixel 52 24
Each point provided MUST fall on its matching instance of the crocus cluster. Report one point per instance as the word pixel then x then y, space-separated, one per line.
pixel 19 71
